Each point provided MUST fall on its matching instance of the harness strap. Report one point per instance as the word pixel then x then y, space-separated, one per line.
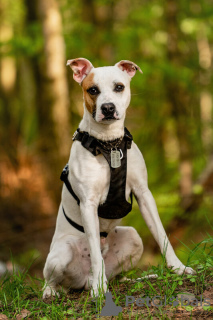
pixel 80 228
pixel 92 145
pixel 64 178
pixel 115 206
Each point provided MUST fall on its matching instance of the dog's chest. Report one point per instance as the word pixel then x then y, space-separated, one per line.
pixel 102 178
pixel 90 175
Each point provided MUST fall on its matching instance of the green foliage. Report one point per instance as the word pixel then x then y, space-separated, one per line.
pixel 107 31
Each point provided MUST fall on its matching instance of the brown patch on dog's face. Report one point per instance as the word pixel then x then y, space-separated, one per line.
pixel 90 97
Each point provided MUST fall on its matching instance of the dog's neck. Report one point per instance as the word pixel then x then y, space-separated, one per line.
pixel 100 131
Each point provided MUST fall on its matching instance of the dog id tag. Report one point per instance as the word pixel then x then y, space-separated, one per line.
pixel 115 159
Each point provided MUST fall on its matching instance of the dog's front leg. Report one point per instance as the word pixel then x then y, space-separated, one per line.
pixel 91 226
pixel 150 214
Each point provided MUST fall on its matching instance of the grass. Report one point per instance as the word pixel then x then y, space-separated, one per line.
pixel 21 295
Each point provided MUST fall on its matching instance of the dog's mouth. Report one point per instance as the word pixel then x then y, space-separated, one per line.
pixel 109 118
pixel 112 116
pixel 106 118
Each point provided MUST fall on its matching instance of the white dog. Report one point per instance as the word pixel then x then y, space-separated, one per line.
pixel 105 167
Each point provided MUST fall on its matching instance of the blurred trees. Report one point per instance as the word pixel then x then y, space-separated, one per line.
pixel 52 92
pixel 40 105
pixel 178 96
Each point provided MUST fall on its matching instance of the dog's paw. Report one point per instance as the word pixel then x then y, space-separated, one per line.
pixel 186 270
pixel 183 269
pixel 97 290
pixel 49 292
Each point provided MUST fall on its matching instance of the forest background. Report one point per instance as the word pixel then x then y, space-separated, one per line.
pixel 170 115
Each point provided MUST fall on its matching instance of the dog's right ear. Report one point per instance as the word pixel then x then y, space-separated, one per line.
pixel 81 68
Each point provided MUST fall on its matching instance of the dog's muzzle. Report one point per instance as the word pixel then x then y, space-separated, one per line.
pixel 108 110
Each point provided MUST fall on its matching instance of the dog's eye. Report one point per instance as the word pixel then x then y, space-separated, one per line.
pixel 93 91
pixel 119 88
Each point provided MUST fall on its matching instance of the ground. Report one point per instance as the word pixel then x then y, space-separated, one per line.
pixel 169 296
pixel 21 297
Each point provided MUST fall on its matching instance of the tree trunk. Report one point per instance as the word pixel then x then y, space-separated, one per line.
pixel 8 73
pixel 52 98
pixel 206 104
pixel 50 73
pixel 102 19
pixel 54 95
pixel 179 100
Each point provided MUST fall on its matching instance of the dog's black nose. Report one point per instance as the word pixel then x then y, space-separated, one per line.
pixel 108 109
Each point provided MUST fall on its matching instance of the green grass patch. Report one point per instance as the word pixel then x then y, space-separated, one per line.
pixel 21 294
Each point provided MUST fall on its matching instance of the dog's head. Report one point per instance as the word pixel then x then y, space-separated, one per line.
pixel 106 90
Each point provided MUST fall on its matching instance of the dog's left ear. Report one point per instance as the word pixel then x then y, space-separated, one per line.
pixel 128 66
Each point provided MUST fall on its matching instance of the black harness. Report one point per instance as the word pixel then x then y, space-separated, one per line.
pixel 115 206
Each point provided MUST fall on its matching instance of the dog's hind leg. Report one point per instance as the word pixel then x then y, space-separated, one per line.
pixel 65 266
pixel 125 250
pixel 56 263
